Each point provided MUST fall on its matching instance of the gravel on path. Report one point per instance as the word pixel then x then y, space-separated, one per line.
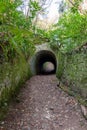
pixel 44 106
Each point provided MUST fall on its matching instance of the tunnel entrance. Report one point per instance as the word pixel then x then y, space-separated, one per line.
pixel 45 63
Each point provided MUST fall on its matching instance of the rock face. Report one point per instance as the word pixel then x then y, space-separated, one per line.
pixel 84 111
pixel 73 70
pixel 11 77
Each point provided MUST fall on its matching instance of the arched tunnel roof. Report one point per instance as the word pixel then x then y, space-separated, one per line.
pixel 44 56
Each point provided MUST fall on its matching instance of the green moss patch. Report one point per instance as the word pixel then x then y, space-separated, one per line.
pixel 11 80
pixel 72 71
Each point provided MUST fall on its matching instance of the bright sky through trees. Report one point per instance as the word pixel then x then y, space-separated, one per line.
pixel 51 9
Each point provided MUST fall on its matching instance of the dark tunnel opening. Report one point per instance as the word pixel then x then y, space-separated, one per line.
pixel 45 63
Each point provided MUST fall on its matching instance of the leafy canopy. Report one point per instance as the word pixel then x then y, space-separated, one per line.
pixel 16 29
pixel 71 30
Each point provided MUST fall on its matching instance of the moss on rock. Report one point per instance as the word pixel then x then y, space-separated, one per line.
pixel 12 76
pixel 72 70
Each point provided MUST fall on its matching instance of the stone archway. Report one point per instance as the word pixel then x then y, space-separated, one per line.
pixel 44 58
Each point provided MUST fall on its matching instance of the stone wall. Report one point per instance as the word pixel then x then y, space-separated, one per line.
pixel 72 70
pixel 39 50
pixel 12 76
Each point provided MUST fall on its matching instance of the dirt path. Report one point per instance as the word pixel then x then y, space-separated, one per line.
pixel 44 106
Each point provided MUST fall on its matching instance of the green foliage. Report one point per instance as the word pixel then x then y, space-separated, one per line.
pixel 41 36
pixel 16 29
pixel 34 7
pixel 75 5
pixel 71 30
pixel 18 34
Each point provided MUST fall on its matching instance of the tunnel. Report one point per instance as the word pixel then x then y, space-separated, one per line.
pixel 45 63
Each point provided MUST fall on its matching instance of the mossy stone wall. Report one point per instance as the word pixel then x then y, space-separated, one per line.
pixel 12 76
pixel 72 70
